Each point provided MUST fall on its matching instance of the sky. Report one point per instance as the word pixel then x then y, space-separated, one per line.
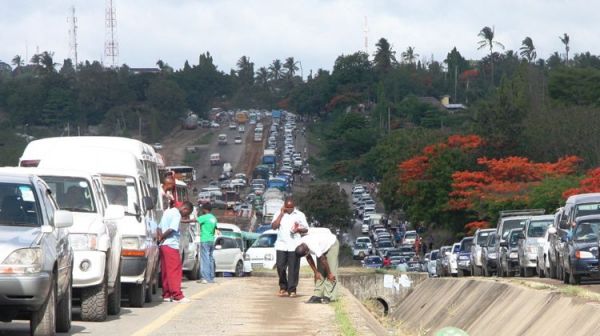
pixel 314 32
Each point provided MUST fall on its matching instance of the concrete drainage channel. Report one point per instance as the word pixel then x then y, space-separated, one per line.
pixel 422 306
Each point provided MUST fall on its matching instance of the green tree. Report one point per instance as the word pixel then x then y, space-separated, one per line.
pixel 384 57
pixel 327 204
pixel 528 50
pixel 245 71
pixel 487 36
pixel 291 66
pixel 262 77
pixel 275 70
pixel 409 56
pixel 17 61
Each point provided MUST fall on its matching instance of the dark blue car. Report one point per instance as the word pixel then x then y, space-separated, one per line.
pixel 372 262
pixel 464 257
pixel 583 250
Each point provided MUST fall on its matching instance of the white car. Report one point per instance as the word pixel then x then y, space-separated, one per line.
pixel 237 140
pixel 452 259
pixel 366 240
pixel 229 255
pixel 232 126
pixel 262 253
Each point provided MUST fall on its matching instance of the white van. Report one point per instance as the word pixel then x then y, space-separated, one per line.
pixel 94 237
pixel 130 179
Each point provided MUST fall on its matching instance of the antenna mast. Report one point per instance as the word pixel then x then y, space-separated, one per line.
pixel 366 31
pixel 73 37
pixel 111 46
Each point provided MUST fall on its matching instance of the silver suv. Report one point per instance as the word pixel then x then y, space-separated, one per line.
pixel 479 241
pixel 36 258
pixel 535 230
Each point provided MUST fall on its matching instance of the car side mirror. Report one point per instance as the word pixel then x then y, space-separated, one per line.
pixel 218 247
pixel 552 230
pixel 114 212
pixel 63 219
pixel 148 203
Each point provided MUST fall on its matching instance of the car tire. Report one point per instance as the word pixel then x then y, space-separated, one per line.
pixel 574 279
pixel 551 270
pixel 565 276
pixel 137 294
pixel 94 302
pixel 486 273
pixel 239 269
pixel 64 309
pixel 195 272
pixel 114 299
pixel 43 321
pixel 148 293
pixel 459 273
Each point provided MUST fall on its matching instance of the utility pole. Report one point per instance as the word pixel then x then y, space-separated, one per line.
pixel 111 46
pixel 73 37
pixel 366 31
pixel 455 83
pixel 389 119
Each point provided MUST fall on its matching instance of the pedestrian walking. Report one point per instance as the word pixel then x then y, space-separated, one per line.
pixel 207 227
pixel 290 223
pixel 325 246
pixel 170 261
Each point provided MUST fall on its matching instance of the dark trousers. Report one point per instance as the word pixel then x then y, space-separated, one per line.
pixel 288 269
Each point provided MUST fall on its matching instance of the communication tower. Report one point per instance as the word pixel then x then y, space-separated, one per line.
pixel 73 37
pixel 111 46
pixel 366 31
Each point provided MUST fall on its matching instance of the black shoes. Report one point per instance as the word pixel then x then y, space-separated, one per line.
pixel 314 299
pixel 326 300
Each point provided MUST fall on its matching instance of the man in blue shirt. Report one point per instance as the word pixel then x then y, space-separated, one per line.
pixel 170 261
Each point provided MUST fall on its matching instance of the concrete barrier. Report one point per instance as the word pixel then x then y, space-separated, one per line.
pixel 388 289
pixel 488 307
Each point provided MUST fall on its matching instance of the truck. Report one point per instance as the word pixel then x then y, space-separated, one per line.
pixel 276 115
pixel 271 208
pixel 269 158
pixel 222 139
pixel 215 159
pixel 241 117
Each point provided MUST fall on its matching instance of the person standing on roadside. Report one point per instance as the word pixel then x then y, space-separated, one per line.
pixel 290 223
pixel 170 261
pixel 325 246
pixel 207 227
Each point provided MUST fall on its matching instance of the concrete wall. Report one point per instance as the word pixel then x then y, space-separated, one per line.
pixel 487 307
pixel 371 286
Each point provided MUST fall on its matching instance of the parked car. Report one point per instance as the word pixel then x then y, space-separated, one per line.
pixel 511 219
pixel 409 238
pixel 383 246
pixel 452 260
pixel 229 255
pixel 414 266
pixel 442 262
pixel 489 256
pixel 479 240
pixel 534 231
pixel 464 257
pixel 360 250
pixel 432 264
pixel 509 257
pixel 365 240
pixel 237 140
pixel 582 247
pixel 555 241
pixel 543 261
pixel 372 262
pixel 37 258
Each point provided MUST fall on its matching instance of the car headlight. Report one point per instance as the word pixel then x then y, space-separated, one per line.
pixel 492 255
pixel 463 258
pixel 532 249
pixel 583 255
pixel 513 255
pixel 133 247
pixel 82 241
pixel 268 256
pixel 22 261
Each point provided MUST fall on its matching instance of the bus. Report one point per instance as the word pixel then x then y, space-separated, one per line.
pixel 186 174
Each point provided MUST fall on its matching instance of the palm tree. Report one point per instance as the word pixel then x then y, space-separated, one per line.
pixel 290 66
pixel 528 49
pixel 565 39
pixel 17 61
pixel 262 76
pixel 245 70
pixel 384 56
pixel 275 70
pixel 47 61
pixel 409 56
pixel 160 64
pixel 487 35
pixel 36 59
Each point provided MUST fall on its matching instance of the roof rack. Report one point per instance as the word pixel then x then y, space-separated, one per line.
pixel 524 212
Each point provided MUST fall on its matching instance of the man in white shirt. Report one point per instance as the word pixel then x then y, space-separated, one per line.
pixel 325 246
pixel 290 223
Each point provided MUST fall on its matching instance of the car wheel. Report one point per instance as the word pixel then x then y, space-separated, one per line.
pixel 43 321
pixel 565 276
pixel 574 279
pixel 239 269
pixel 64 309
pixel 114 299
pixel 459 273
pixel 486 273
pixel 94 302
pixel 195 272
pixel 148 293
pixel 137 293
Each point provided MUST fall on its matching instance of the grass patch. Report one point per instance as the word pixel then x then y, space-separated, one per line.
pixel 190 158
pixel 580 292
pixel 342 318
pixel 533 284
pixel 205 139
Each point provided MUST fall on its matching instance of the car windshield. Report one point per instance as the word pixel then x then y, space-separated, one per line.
pixel 266 240
pixel 122 191
pixel 385 244
pixel 456 248
pixel 373 260
pixel 482 237
pixel 434 255
pixel 514 238
pixel 393 253
pixel 466 244
pixel 410 235
pixel 587 231
pixel 511 224
pixel 491 240
pixel 587 209
pixel 360 245
pixel 19 205
pixel 538 229
pixel 71 193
